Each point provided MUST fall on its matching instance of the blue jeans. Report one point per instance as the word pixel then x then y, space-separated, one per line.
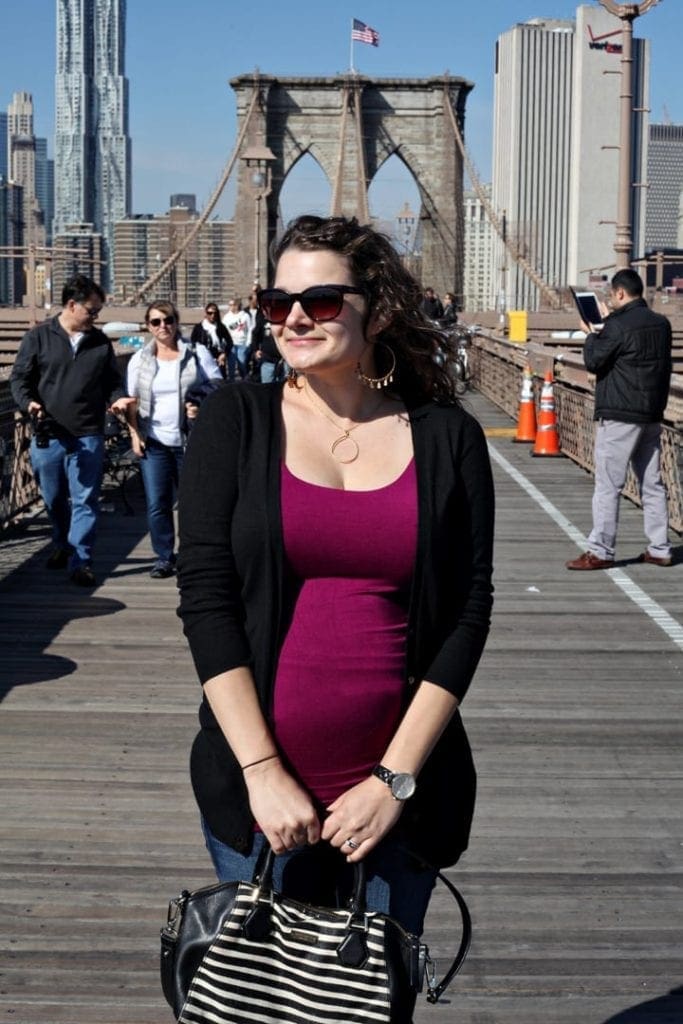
pixel 239 352
pixel 396 885
pixel 69 474
pixel 160 470
pixel 269 371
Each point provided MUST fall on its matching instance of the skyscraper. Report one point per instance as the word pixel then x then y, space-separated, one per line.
pixel 665 182
pixel 21 159
pixel 478 286
pixel 555 150
pixel 92 146
pixel 45 186
pixel 4 163
pixel 12 236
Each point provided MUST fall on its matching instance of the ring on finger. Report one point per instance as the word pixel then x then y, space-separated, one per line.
pixel 352 843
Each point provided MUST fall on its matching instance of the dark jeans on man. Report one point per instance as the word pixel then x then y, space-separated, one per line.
pixel 69 474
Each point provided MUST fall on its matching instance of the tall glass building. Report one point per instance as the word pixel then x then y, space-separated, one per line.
pixel 556 149
pixel 665 183
pixel 92 145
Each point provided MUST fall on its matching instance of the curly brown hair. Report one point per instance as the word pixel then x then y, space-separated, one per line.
pixel 422 352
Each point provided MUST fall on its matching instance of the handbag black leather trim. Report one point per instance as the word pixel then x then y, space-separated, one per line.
pixel 379 953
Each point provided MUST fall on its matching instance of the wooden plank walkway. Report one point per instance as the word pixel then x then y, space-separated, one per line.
pixel 576 717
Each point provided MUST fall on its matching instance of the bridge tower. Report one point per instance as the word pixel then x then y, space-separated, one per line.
pixel 350 125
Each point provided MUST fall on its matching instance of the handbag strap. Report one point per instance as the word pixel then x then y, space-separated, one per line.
pixel 436 991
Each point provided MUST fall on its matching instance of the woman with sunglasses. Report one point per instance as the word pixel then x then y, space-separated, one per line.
pixel 213 333
pixel 159 376
pixel 335 581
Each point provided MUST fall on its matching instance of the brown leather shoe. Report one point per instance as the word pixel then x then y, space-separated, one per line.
pixel 590 561
pixel 653 560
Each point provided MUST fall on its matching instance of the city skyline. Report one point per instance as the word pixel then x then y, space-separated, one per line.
pixel 182 119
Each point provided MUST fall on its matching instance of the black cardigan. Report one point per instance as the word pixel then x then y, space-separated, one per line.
pixel 233 595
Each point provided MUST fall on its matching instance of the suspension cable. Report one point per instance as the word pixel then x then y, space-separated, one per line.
pixel 208 209
pixel 523 263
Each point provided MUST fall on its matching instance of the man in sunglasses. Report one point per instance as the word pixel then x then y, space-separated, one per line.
pixel 65 377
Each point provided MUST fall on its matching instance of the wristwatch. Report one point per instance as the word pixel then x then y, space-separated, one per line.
pixel 401 784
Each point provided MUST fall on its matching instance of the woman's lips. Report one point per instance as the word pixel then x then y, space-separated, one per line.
pixel 296 342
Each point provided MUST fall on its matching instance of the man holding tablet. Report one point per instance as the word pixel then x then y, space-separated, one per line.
pixel 631 358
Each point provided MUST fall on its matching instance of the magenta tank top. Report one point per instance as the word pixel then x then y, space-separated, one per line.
pixel 341 672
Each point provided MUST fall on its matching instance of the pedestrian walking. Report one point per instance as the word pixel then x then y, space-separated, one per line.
pixel 159 377
pixel 65 377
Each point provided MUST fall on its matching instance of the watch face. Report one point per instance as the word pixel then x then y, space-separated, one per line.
pixel 402 786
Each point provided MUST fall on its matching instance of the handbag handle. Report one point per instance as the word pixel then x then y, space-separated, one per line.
pixel 263 877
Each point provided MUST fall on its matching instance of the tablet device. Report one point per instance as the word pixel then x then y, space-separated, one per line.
pixel 587 305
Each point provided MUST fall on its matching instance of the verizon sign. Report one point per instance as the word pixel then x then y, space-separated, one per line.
pixel 602 42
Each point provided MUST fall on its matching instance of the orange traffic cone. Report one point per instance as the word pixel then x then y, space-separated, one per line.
pixel 547 438
pixel 526 419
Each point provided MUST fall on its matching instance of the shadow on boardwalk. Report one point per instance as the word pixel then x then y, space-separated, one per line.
pixel 36 603
pixel 667 1009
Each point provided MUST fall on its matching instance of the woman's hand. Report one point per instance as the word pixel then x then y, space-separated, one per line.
pixel 363 814
pixel 137 444
pixel 121 405
pixel 191 410
pixel 284 811
pixel 221 359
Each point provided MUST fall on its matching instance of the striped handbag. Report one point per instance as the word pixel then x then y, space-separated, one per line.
pixel 238 952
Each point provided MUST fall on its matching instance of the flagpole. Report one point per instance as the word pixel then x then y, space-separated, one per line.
pixel 351 56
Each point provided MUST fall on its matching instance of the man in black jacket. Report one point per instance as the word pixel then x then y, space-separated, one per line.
pixel 631 358
pixel 65 376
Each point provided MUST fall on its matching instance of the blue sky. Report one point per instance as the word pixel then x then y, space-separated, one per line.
pixel 180 56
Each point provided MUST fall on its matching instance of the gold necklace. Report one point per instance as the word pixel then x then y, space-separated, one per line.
pixel 345 435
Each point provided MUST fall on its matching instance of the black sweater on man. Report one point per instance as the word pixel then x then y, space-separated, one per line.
pixel 233 593
pixel 73 388
pixel 631 357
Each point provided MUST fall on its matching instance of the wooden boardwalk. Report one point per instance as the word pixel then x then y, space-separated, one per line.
pixel 576 716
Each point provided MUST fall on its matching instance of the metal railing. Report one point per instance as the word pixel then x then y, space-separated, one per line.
pixel 18 489
pixel 496 367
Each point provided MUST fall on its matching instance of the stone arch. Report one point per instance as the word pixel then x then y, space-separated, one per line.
pixel 306 158
pixel 350 125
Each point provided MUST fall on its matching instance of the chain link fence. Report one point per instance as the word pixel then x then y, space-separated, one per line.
pixel 497 367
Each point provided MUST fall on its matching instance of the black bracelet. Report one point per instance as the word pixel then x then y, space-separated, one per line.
pixel 260 761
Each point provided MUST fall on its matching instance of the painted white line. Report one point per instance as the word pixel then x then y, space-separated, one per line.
pixel 659 615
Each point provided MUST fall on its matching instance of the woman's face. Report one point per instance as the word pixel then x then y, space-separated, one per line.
pixel 160 330
pixel 309 346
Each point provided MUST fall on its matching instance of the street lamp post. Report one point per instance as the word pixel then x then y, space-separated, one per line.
pixel 406 220
pixel 623 244
pixel 258 160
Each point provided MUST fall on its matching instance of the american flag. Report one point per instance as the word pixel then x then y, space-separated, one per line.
pixel 362 33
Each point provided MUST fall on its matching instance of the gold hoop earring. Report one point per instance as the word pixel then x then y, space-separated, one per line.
pixel 377 383
pixel 293 378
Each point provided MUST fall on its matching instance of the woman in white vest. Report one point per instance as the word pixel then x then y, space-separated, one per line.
pixel 159 377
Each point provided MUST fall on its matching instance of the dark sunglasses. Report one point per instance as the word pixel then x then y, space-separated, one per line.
pixel 157 321
pixel 92 313
pixel 321 302
pixel 212 312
